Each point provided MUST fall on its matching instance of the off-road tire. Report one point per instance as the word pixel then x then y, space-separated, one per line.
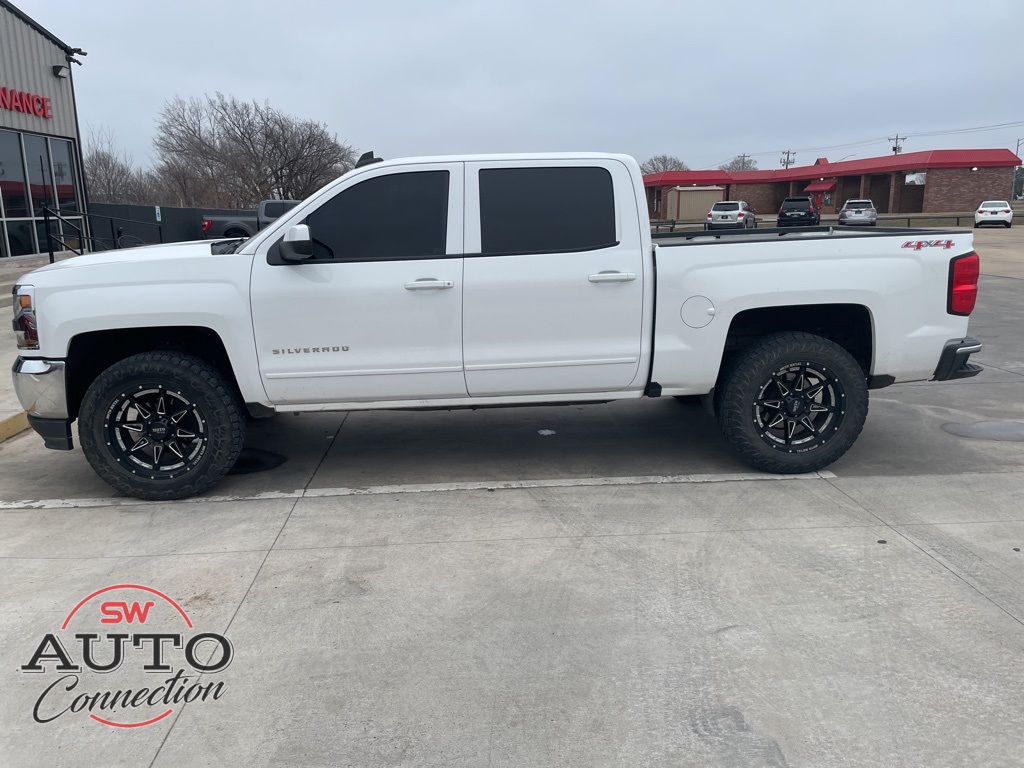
pixel 792 403
pixel 161 425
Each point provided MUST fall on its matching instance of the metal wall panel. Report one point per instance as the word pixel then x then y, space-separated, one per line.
pixel 27 59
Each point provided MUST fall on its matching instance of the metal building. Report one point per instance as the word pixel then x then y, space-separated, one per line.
pixel 40 142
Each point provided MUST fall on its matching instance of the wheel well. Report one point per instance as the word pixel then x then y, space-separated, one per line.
pixel 92 353
pixel 848 325
pixel 236 232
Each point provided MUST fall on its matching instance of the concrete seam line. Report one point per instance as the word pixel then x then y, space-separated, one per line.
pixel 13 425
pixel 503 485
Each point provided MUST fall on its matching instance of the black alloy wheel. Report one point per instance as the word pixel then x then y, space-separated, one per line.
pixel 161 425
pixel 792 403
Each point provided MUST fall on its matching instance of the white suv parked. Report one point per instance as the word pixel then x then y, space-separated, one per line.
pixel 730 214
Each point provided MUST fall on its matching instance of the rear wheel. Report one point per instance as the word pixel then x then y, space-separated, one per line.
pixel 161 425
pixel 792 403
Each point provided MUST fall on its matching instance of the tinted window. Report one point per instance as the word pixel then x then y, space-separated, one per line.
pixel 398 216
pixel 64 176
pixel 40 183
pixel 859 204
pixel 538 210
pixel 726 207
pixel 12 180
pixel 276 209
pixel 798 204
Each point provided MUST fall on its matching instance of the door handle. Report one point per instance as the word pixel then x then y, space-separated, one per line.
pixel 428 284
pixel 612 277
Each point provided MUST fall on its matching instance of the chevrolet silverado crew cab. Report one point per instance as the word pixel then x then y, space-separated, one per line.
pixel 506 280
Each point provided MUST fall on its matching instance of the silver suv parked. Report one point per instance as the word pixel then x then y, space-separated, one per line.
pixel 860 212
pixel 730 214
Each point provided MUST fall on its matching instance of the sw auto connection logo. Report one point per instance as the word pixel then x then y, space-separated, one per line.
pixel 126 656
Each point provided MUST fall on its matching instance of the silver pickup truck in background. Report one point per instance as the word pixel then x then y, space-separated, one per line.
pixel 245 223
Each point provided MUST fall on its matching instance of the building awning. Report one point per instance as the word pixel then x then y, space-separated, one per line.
pixel 820 186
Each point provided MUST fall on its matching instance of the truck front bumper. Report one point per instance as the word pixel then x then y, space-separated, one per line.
pixel 41 386
pixel 953 361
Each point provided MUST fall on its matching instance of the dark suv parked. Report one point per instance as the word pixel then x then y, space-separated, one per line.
pixel 798 211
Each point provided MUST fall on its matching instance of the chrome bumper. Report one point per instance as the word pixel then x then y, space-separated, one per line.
pixel 41 387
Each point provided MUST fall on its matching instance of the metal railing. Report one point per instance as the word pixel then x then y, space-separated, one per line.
pixel 118 239
pixel 884 220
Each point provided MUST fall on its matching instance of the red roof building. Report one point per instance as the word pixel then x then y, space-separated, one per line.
pixel 935 181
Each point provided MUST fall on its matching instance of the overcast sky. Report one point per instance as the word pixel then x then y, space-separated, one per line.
pixel 703 81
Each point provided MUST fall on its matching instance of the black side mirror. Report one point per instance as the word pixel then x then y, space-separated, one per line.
pixel 297 245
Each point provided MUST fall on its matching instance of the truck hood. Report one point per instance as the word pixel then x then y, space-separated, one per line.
pixel 188 251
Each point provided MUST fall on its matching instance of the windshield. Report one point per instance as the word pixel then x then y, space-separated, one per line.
pixel 726 207
pixel 796 205
pixel 995 204
pixel 858 204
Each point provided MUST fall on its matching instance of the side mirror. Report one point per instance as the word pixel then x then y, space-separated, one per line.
pixel 297 245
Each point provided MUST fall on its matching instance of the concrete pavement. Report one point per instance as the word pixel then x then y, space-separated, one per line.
pixel 466 589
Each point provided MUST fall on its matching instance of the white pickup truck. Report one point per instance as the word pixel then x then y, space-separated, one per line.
pixel 474 281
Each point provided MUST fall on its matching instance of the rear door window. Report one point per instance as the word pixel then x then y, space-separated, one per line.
pixel 541 210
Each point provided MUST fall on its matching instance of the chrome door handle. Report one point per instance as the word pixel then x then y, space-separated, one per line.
pixel 612 277
pixel 428 283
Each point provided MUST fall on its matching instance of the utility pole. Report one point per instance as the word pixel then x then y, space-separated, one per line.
pixel 896 146
pixel 788 158
pixel 743 162
pixel 1016 173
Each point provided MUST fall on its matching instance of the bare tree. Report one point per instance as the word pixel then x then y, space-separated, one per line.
pixel 740 163
pixel 661 163
pixel 111 173
pixel 223 152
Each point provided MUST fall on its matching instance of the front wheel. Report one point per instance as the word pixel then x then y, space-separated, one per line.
pixel 161 425
pixel 792 403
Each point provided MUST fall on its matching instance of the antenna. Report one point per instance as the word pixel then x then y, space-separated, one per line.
pixel 367 158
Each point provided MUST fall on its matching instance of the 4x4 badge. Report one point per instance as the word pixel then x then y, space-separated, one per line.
pixel 917 245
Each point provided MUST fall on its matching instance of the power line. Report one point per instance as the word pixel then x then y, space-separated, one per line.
pixel 880 139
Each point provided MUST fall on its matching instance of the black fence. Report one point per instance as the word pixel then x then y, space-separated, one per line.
pixel 148 224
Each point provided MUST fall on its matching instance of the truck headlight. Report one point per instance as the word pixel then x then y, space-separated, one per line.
pixel 25 317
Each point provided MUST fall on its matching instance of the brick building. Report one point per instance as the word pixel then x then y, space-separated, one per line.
pixel 937 181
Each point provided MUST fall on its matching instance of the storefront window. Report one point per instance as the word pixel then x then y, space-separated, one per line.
pixel 39 180
pixel 51 181
pixel 64 176
pixel 12 176
pixel 19 235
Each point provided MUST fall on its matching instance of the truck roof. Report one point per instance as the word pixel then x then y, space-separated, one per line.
pixel 512 156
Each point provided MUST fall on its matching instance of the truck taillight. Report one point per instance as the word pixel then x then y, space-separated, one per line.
pixel 25 330
pixel 206 225
pixel 963 284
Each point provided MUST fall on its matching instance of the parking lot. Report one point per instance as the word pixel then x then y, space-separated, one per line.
pixel 573 586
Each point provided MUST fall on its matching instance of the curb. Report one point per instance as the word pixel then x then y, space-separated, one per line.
pixel 13 425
